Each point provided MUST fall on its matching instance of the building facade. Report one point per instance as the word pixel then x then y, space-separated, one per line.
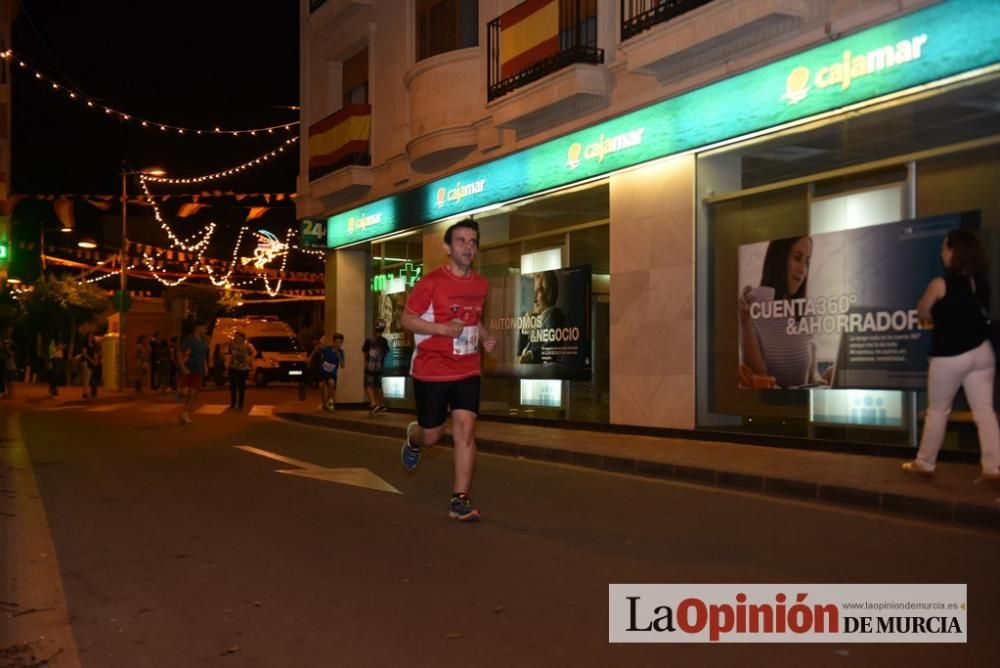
pixel 628 162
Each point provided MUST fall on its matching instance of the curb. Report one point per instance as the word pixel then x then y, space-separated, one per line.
pixel 959 513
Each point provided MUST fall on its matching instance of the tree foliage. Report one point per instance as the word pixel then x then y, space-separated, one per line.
pixel 203 298
pixel 56 305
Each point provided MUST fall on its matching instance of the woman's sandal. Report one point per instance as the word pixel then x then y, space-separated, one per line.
pixel 991 480
pixel 917 469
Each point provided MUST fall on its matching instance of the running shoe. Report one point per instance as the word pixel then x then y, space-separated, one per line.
pixel 410 455
pixel 373 412
pixel 381 408
pixel 460 508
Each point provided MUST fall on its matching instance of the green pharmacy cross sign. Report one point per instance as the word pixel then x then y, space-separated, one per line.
pixel 947 39
pixel 4 251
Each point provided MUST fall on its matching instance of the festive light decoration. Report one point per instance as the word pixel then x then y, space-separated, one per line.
pixel 268 248
pixel 227 172
pixel 232 263
pixel 284 261
pixel 206 232
pixel 145 123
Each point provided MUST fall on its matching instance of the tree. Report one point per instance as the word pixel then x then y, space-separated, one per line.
pixel 58 305
pixel 204 299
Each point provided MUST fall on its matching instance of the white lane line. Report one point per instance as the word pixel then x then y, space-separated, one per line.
pixel 160 408
pixel 260 410
pixel 111 407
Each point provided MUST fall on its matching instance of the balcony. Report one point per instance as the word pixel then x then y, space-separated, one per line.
pixel 537 38
pixel 445 95
pixel 669 38
pixel 641 15
pixel 544 65
pixel 339 156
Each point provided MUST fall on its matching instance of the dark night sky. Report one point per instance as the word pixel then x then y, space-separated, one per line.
pixel 193 63
pixel 190 63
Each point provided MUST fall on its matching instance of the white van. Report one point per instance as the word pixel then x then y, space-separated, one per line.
pixel 279 357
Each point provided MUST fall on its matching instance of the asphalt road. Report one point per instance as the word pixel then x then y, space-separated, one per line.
pixel 177 548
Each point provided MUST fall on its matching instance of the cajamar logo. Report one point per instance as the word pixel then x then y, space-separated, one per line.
pixel 852 67
pixel 459 192
pixel 602 147
pixel 362 221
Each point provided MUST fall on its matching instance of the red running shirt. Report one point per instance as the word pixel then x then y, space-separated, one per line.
pixel 441 296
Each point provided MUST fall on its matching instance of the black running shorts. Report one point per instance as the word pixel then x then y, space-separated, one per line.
pixel 435 398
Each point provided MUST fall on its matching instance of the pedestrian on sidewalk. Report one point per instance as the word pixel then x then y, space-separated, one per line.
pixel 192 357
pixel 57 364
pixel 161 365
pixel 331 356
pixel 957 305
pixel 96 366
pixel 8 354
pixel 241 352
pixel 376 349
pixel 89 366
pixel 175 368
pixel 154 347
pixel 444 312
pixel 142 362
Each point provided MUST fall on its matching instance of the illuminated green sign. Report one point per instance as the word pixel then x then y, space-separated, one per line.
pixel 937 42
pixel 4 251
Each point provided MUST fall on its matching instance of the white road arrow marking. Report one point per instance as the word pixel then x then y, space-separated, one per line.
pixel 357 477
pixel 212 409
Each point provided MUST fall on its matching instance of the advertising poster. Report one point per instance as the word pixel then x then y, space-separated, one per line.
pixel 390 308
pixel 542 324
pixel 840 309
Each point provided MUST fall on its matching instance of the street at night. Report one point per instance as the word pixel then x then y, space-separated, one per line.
pixel 177 547
pixel 473 333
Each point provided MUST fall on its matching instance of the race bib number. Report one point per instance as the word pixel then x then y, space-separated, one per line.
pixel 466 343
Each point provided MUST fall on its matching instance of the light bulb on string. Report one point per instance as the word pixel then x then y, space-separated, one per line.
pixel 236 132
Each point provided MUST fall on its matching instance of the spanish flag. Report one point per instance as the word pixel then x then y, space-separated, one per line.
pixel 528 33
pixel 337 136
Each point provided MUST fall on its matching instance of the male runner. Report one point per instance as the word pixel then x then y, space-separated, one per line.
pixel 444 313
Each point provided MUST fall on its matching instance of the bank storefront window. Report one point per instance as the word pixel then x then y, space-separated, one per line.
pixel 805 236
pixel 547 261
pixel 397 264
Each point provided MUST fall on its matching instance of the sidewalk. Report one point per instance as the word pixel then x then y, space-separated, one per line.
pixel 858 481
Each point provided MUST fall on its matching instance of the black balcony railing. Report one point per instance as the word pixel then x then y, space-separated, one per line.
pixel 640 15
pixel 573 41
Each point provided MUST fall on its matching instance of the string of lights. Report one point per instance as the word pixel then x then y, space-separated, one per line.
pixel 232 263
pixel 284 261
pixel 226 172
pixel 205 233
pixel 91 103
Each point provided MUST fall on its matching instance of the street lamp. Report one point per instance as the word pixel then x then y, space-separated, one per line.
pixel 41 240
pixel 123 264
